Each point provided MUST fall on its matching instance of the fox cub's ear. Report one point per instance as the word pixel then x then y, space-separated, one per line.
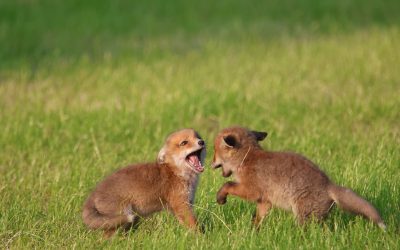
pixel 161 156
pixel 259 135
pixel 230 141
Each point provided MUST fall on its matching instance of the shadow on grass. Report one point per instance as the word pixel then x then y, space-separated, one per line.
pixel 33 30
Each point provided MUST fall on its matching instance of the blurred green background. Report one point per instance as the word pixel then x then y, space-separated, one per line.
pixel 87 87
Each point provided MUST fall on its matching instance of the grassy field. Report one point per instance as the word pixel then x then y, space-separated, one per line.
pixel 87 87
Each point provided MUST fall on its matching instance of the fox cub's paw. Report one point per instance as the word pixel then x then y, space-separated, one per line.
pixel 221 199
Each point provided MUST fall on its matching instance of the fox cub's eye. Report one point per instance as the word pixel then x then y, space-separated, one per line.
pixel 183 143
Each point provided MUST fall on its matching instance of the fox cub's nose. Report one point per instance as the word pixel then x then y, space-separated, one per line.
pixel 201 142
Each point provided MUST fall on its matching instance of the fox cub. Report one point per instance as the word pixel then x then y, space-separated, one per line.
pixel 285 180
pixel 139 190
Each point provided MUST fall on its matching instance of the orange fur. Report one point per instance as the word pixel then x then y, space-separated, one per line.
pixel 285 180
pixel 139 190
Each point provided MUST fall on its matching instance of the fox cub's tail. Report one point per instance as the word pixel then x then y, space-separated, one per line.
pixel 350 201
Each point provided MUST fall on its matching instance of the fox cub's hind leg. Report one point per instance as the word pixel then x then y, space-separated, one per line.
pixel 305 211
pixel 131 221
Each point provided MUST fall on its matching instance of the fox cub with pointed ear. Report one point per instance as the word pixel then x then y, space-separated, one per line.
pixel 142 189
pixel 281 179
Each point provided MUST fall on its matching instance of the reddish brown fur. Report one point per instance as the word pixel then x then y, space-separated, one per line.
pixel 140 190
pixel 286 180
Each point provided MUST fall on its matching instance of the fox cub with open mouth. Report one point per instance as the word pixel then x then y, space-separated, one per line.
pixel 285 180
pixel 139 190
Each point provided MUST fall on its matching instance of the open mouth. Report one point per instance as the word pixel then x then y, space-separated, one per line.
pixel 193 159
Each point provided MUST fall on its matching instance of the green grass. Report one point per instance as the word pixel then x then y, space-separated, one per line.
pixel 87 87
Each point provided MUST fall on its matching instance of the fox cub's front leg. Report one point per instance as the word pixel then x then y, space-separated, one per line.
pixel 224 191
pixel 237 189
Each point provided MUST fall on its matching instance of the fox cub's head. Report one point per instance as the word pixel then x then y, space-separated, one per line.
pixel 232 145
pixel 185 150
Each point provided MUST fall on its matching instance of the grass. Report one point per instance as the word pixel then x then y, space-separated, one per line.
pixel 87 87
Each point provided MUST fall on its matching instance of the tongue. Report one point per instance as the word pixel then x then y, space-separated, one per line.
pixel 193 159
